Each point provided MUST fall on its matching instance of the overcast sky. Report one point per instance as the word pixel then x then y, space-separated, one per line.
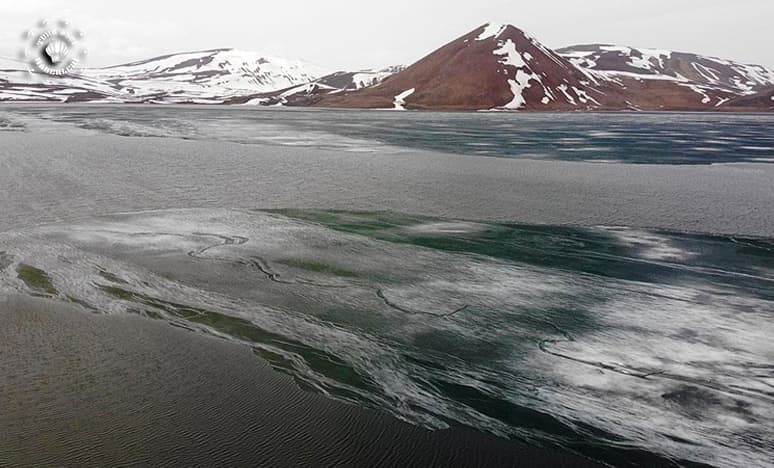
pixel 355 34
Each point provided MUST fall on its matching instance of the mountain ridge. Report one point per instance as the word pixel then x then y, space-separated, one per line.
pixel 526 75
pixel 493 67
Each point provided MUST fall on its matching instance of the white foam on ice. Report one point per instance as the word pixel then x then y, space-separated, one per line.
pixel 446 228
pixel 650 245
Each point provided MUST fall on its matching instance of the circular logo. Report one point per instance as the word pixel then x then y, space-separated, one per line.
pixel 54 48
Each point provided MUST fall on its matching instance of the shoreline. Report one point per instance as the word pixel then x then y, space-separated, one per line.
pixel 721 111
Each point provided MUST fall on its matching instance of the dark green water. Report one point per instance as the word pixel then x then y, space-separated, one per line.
pixel 633 347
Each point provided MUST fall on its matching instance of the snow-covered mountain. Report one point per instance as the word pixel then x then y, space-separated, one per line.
pixel 207 75
pixel 310 93
pixel 211 76
pixel 499 66
pixel 344 80
pixel 226 76
pixel 667 64
pixel 760 100
pixel 495 66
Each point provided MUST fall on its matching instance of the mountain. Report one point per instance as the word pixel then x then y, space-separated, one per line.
pixel 501 67
pixel 218 76
pixel 210 76
pixel 679 66
pixel 494 66
pixel 361 79
pixel 760 100
pixel 309 93
pixel 19 85
pixel 207 75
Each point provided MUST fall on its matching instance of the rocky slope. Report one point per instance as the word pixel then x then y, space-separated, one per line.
pixel 502 67
pixel 761 100
pixel 495 66
pixel 667 64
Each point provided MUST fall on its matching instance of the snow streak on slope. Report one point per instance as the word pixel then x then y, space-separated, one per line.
pixel 671 65
pixel 536 66
pixel 522 79
pixel 400 99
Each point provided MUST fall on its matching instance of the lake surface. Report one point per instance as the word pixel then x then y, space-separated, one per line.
pixel 622 343
pixel 659 138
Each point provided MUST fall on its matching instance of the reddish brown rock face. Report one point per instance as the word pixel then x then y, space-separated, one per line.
pixel 501 67
pixel 760 100
pixel 480 70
